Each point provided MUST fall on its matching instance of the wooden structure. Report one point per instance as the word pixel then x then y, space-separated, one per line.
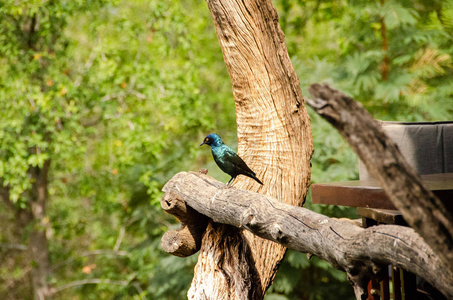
pixel 369 194
pixel 427 146
pixel 375 208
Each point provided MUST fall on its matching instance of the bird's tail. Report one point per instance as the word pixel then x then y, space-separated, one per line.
pixel 254 177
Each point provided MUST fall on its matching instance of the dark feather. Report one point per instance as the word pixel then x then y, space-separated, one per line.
pixel 227 159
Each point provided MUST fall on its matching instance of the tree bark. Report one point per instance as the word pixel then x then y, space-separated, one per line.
pixel 361 252
pixel 37 245
pixel 421 209
pixel 187 239
pixel 385 48
pixel 34 218
pixel 274 138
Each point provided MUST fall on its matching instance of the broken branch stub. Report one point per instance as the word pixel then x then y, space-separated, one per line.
pixel 186 240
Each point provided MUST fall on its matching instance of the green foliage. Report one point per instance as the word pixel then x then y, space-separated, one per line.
pixel 111 93
pixel 118 94
pixel 299 278
pixel 349 45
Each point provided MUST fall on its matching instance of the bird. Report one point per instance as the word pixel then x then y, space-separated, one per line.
pixel 227 159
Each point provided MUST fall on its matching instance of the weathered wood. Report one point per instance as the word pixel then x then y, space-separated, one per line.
pixel 359 251
pixel 421 209
pixel 187 239
pixel 385 216
pixel 274 139
pixel 368 192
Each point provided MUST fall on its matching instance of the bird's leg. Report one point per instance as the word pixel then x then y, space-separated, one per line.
pixel 230 182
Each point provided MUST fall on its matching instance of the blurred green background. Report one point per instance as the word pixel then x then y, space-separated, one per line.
pixel 118 95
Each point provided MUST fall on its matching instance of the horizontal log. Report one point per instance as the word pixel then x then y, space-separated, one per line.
pixel 361 252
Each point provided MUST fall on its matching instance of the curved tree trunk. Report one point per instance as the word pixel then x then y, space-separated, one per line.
pixel 274 140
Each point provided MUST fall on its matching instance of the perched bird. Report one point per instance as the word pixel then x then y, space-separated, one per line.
pixel 228 160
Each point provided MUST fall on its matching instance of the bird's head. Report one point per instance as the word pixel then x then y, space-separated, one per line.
pixel 212 140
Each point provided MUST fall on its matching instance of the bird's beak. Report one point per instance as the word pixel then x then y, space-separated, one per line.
pixel 202 143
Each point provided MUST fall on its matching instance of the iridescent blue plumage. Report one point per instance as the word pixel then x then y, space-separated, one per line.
pixel 227 159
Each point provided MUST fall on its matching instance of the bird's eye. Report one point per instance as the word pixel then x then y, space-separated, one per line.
pixel 206 139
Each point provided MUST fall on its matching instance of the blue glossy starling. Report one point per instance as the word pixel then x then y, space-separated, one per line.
pixel 227 159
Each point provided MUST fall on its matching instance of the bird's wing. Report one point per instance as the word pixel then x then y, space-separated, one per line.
pixel 232 157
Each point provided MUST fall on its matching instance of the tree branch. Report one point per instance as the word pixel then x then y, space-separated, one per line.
pixel 187 239
pixel 119 239
pixel 89 253
pixel 13 246
pixel 421 209
pixel 4 195
pixel 358 251
pixel 88 281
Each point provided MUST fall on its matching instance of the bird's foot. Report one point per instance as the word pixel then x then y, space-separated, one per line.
pixel 230 182
pixel 226 187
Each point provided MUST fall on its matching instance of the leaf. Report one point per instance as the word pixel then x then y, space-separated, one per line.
pixel 396 15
